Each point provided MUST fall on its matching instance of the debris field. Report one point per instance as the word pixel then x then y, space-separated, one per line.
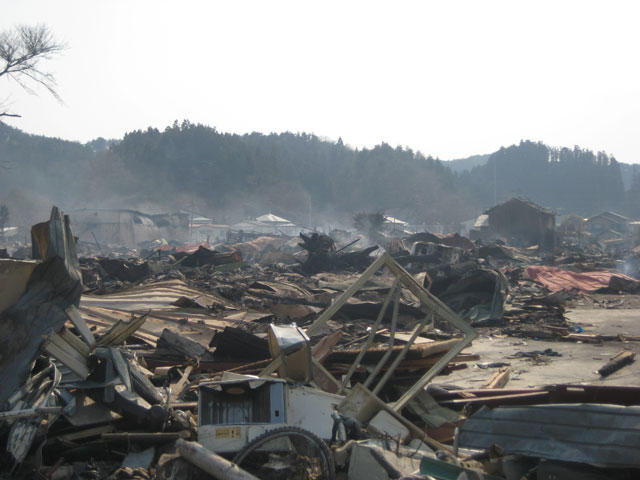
pixel 425 357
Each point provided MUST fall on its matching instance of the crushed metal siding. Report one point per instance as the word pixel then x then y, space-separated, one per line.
pixel 605 435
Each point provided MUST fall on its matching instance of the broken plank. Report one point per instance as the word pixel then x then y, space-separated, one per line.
pixel 324 347
pixel 156 437
pixel 321 376
pixel 587 337
pixel 176 389
pixel 499 379
pixel 173 342
pixel 374 354
pixel 86 433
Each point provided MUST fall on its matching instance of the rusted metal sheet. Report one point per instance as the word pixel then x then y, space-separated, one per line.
pixel 157 300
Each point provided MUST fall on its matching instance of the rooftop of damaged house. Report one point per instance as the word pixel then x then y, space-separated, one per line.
pixel 271 351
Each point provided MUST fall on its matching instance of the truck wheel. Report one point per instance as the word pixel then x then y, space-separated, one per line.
pixel 297 453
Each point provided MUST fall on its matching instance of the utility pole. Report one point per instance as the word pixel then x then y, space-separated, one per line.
pixel 495 185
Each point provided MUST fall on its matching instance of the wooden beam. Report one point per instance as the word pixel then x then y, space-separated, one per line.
pixel 499 379
pixel 176 389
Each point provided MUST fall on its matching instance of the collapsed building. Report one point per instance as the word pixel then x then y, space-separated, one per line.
pixel 128 227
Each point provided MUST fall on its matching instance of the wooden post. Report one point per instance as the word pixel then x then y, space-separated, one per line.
pixel 213 464
pixel 617 362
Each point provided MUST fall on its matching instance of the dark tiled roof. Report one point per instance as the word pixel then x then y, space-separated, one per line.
pixel 521 201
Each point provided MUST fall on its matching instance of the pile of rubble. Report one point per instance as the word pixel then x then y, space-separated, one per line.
pixel 195 362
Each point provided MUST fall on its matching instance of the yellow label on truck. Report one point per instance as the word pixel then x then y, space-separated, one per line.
pixel 228 432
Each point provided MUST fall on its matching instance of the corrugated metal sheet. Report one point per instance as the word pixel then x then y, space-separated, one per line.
pixel 557 279
pixel 156 298
pixel 605 435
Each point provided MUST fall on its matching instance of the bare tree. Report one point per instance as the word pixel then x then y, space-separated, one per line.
pixel 22 52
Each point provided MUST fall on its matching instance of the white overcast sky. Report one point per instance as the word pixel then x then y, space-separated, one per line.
pixel 448 78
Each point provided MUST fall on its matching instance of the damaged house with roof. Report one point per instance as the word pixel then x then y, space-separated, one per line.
pixel 606 221
pixel 518 222
pixel 267 224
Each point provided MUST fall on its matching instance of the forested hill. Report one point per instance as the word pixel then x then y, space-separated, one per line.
pixel 299 176
pixel 232 177
pixel 566 180
pixel 463 164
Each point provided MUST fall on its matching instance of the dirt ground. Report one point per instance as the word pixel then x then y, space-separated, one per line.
pixel 577 363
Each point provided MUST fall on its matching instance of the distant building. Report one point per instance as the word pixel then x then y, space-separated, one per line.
pixel 252 226
pixel 209 232
pixel 8 232
pixel 440 228
pixel 606 221
pixel 269 224
pixel 518 222
pixel 203 229
pixel 392 224
pixel 127 228
pixel 271 219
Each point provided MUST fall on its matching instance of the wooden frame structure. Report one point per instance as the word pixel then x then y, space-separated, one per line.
pixel 436 309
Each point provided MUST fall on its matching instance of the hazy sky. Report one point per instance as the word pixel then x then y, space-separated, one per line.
pixel 448 78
